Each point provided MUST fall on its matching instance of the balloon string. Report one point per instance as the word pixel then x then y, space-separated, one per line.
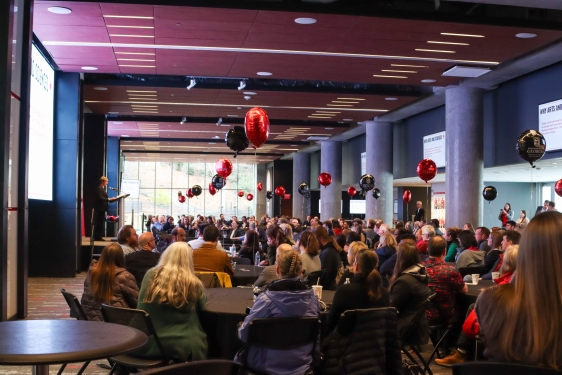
pixel 532 184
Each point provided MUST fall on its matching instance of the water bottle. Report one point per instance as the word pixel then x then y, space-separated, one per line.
pixel 257 259
pixel 347 281
pixel 233 250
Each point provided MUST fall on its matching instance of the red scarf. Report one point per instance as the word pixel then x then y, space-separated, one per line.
pixel 473 248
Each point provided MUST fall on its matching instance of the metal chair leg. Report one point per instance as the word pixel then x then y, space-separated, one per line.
pixel 84 366
pixel 61 369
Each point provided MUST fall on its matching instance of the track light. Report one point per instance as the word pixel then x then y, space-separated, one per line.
pixel 192 84
pixel 242 85
pixel 183 120
pixel 219 122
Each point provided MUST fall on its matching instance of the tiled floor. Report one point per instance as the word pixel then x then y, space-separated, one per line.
pixel 46 302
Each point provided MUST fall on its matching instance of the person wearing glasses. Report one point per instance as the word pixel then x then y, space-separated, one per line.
pixel 138 262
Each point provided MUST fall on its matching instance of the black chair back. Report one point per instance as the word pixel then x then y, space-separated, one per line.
pixel 76 310
pixel 495 368
pixel 133 318
pixel 209 367
pixel 242 260
pixel 313 277
pixel 283 333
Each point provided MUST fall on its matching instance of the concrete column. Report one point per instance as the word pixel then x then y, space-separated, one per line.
pixel 301 173
pixel 465 154
pixel 259 197
pixel 379 164
pixel 330 196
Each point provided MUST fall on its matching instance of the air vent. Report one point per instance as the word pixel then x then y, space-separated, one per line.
pixel 317 138
pixel 465 71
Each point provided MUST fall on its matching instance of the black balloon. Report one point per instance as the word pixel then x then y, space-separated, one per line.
pixel 196 190
pixel 303 189
pixel 218 182
pixel 489 193
pixel 269 194
pixel 376 193
pixel 531 146
pixel 236 139
pixel 367 182
pixel 306 195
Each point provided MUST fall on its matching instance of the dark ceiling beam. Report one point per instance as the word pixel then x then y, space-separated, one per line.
pixel 486 14
pixel 255 84
pixel 201 140
pixel 278 154
pixel 225 120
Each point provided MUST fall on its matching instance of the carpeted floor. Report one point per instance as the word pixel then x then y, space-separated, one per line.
pixel 46 302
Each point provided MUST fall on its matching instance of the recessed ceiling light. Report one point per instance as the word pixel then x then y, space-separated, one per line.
pixel 125 135
pixel 390 98
pixel 216 137
pixel 329 128
pixel 59 10
pixel 264 73
pixel 250 93
pixel 526 35
pixel 100 88
pixel 381 76
pixel 294 145
pixel 433 50
pixel 454 43
pixel 89 68
pixel 428 80
pixel 347 119
pixel 305 21
pixel 467 35
pixel 140 91
pixel 238 107
pixel 117 122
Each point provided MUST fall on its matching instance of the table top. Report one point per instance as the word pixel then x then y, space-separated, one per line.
pixel 474 290
pixel 235 300
pixel 43 342
pixel 246 270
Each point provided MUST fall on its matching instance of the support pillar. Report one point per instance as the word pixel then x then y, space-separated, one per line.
pixel 379 155
pixel 330 196
pixel 301 173
pixel 465 155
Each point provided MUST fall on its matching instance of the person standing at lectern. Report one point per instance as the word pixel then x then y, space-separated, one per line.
pixel 100 209
pixel 420 212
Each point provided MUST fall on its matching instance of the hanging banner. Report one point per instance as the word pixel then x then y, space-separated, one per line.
pixel 434 148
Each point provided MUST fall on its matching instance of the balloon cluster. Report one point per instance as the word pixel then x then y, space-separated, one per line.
pixel 218 182
pixel 181 198
pixel 304 190
pixel 212 189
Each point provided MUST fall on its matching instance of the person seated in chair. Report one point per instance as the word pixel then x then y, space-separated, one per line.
pixel 286 297
pixel 196 244
pixel 138 262
pixel 269 273
pixel 207 258
pixel 236 233
pixel 128 238
pixel 169 225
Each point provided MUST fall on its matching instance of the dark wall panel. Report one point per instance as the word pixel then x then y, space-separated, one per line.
pixel 314 169
pixel 351 160
pixel 112 168
pixel 93 161
pixel 282 176
pixel 408 140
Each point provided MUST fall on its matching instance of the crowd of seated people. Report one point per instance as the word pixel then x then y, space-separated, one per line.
pixel 409 266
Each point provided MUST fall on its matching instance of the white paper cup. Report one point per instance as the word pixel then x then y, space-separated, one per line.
pixel 495 275
pixel 475 278
pixel 318 291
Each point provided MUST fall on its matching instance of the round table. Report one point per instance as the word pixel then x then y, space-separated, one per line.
pixel 245 274
pixel 225 308
pixel 464 300
pixel 39 343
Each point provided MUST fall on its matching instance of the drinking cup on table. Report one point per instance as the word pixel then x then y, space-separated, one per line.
pixel 233 265
pixel 475 278
pixel 318 291
pixel 495 275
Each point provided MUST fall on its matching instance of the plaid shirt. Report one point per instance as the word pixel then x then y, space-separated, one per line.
pixel 445 281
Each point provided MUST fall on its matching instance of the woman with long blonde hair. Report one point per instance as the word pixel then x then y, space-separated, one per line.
pixel 520 322
pixel 172 294
pixel 110 283
pixel 387 247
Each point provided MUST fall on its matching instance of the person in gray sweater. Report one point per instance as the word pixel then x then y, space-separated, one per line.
pixel 469 255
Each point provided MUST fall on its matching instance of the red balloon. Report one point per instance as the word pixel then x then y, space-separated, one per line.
pixel 189 193
pixel 351 191
pixel 558 188
pixel 257 126
pixel 212 189
pixel 325 179
pixel 407 196
pixel 181 199
pixel 427 169
pixel 260 186
pixel 223 167
pixel 240 193
pixel 249 197
pixel 280 191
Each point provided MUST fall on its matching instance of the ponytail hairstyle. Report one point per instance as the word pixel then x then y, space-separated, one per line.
pixel 368 261
pixel 276 233
pixel 310 243
pixel 322 234
pixel 290 264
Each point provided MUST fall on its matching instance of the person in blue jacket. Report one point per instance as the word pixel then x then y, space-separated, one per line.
pixel 286 297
